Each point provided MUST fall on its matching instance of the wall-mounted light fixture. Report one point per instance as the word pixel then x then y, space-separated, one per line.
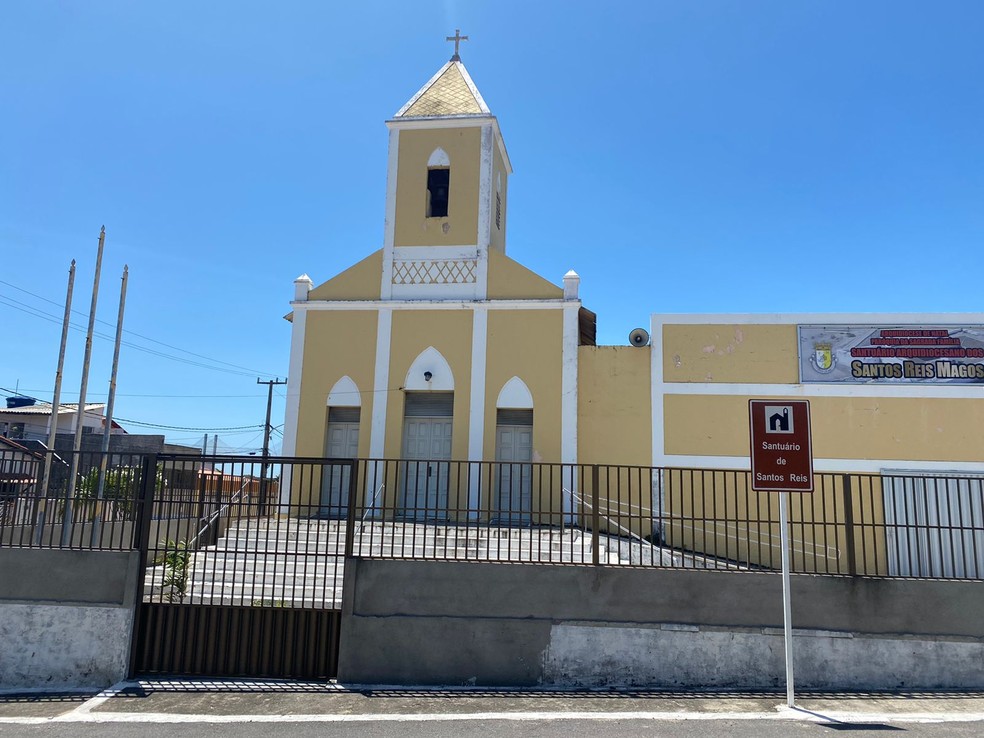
pixel 428 376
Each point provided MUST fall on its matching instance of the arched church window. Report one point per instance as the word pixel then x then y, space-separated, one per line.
pixel 438 186
pixel 438 183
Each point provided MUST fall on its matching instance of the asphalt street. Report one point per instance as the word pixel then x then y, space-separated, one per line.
pixel 241 709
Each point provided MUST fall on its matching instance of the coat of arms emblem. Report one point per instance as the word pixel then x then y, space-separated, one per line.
pixel 823 357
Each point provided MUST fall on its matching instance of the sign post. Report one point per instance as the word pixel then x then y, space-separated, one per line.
pixel 782 461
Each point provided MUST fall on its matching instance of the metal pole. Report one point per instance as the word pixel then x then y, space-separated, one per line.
pixel 266 432
pixel 141 541
pixel 104 459
pixel 55 405
pixel 595 521
pixel 786 609
pixel 66 535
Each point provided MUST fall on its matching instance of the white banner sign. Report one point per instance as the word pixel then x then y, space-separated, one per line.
pixel 892 354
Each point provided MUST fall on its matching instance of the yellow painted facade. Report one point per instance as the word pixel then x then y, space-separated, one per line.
pixel 413 227
pixel 888 428
pixel 510 280
pixel 730 353
pixel 614 417
pixel 324 365
pixel 358 282
pixel 860 430
pixel 450 333
pixel 526 344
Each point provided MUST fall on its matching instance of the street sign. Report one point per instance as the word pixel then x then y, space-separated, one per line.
pixel 782 452
pixel 782 461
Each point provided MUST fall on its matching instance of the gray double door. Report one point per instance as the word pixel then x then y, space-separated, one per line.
pixel 513 469
pixel 341 442
pixel 425 469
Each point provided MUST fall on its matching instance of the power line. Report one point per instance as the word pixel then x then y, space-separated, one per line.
pixel 186 428
pixel 11 392
pixel 125 394
pixel 138 335
pixel 30 310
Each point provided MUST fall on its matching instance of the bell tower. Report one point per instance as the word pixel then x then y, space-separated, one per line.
pixel 446 191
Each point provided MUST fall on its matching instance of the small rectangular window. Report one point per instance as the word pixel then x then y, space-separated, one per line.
pixel 498 211
pixel 428 405
pixel 438 188
pixel 344 414
pixel 513 417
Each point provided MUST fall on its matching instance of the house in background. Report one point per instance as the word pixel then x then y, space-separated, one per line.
pixel 26 418
pixel 20 469
pixel 28 421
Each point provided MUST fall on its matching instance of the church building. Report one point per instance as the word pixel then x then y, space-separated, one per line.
pixel 440 346
pixel 453 350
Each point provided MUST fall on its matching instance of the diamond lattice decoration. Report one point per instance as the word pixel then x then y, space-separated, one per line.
pixel 442 271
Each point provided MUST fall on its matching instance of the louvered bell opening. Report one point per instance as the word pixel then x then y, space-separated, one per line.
pixel 514 417
pixel 429 404
pixel 344 414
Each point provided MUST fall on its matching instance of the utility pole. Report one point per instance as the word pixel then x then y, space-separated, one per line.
pixel 67 516
pixel 55 404
pixel 110 404
pixel 270 383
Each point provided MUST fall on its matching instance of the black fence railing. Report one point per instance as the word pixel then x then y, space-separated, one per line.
pixel 41 505
pixel 243 531
pixel 103 509
pixel 244 546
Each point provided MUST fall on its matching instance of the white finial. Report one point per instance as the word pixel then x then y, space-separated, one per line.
pixel 571 284
pixel 302 285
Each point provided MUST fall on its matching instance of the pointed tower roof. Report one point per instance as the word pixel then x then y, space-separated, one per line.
pixel 448 94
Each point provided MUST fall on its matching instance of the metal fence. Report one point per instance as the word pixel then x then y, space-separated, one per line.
pixel 887 525
pixel 105 507
pixel 240 531
pixel 239 546
pixel 40 506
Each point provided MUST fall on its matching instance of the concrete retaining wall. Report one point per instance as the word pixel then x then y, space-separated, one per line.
pixel 65 617
pixel 408 622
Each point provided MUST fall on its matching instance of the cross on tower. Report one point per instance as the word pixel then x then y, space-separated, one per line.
pixel 457 38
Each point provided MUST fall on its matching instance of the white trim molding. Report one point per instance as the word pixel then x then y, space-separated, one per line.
pixel 515 395
pixel 548 304
pixel 846 466
pixel 345 393
pixel 430 362
pixel 568 384
pixel 485 190
pixel 439 158
pixel 389 224
pixel 832 319
pixel 377 432
pixel 476 411
pixel 810 389
pixel 292 407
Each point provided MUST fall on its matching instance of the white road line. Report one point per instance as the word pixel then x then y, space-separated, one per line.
pixel 100 699
pixel 785 714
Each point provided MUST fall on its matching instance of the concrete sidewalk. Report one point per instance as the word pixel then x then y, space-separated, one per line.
pixel 231 701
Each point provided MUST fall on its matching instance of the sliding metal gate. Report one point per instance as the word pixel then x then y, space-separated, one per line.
pixel 242 577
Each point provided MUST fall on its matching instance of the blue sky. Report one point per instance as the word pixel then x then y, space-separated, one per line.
pixel 684 156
